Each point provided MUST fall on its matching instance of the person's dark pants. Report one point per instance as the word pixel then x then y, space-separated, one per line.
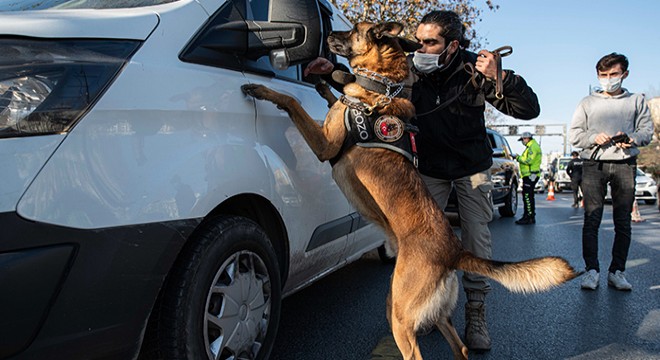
pixel 576 184
pixel 529 204
pixel 595 177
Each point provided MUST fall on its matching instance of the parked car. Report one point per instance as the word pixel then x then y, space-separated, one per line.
pixel 540 186
pixel 505 176
pixel 148 206
pixel 645 189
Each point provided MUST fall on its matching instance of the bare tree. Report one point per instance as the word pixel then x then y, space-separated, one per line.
pixel 410 12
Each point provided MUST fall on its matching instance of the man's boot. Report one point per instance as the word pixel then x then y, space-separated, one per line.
pixel 526 220
pixel 476 332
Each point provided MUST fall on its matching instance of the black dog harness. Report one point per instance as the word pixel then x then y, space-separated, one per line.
pixel 371 130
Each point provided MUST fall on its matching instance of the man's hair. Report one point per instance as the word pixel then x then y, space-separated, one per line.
pixel 574 153
pixel 451 24
pixel 608 61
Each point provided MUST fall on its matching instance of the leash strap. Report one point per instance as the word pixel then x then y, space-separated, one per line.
pixel 474 75
pixel 499 54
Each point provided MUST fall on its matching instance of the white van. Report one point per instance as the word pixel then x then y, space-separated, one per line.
pixel 149 207
pixel 562 180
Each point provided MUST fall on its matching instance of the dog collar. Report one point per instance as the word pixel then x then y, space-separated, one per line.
pixel 373 81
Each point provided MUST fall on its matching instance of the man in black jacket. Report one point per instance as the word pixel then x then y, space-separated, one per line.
pixel 452 144
pixel 574 170
pixel 453 148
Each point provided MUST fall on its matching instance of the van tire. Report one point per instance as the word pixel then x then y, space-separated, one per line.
pixel 227 255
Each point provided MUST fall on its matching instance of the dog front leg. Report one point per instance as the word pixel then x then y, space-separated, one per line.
pixel 324 90
pixel 324 141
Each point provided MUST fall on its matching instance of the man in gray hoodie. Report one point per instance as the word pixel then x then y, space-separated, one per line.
pixel 609 125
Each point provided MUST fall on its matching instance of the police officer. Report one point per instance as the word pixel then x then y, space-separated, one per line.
pixel 574 170
pixel 530 169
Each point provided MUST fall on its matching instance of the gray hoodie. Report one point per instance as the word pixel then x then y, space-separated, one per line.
pixel 599 113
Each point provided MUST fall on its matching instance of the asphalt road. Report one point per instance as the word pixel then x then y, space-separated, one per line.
pixel 343 316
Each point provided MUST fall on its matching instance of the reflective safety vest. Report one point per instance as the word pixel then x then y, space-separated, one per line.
pixel 530 159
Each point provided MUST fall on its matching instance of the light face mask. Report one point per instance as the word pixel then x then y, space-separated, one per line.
pixel 610 85
pixel 428 63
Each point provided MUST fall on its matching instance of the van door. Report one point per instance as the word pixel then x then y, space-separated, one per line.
pixel 315 212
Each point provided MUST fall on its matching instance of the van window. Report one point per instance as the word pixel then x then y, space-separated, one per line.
pixel 24 5
pixel 237 10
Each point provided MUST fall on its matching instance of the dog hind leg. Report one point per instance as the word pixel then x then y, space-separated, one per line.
pixel 405 309
pixel 405 338
pixel 449 332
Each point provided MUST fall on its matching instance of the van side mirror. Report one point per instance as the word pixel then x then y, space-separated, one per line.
pixel 253 39
pixel 292 34
pixel 498 153
pixel 308 14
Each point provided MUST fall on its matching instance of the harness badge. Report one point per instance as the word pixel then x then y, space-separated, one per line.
pixel 389 128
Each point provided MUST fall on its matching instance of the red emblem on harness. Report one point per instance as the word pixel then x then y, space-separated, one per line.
pixel 388 128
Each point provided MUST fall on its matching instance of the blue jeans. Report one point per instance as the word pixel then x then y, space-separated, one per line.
pixel 595 177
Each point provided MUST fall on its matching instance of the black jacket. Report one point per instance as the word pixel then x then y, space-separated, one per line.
pixel 452 141
pixel 574 168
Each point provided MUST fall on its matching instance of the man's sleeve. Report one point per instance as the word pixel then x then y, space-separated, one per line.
pixel 643 123
pixel 538 153
pixel 519 99
pixel 578 135
pixel 525 157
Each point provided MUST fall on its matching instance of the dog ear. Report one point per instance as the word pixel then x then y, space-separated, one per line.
pixel 409 45
pixel 390 29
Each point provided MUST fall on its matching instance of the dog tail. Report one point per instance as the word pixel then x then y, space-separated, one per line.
pixel 534 275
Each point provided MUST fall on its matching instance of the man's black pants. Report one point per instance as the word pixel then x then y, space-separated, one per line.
pixel 529 204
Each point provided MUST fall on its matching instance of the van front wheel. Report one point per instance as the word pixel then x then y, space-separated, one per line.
pixel 222 299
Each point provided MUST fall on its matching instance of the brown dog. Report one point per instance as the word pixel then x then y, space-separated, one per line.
pixel 384 187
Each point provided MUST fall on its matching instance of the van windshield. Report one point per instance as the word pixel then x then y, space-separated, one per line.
pixel 563 163
pixel 13 5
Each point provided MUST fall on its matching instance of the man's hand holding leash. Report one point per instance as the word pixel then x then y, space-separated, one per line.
pixel 487 65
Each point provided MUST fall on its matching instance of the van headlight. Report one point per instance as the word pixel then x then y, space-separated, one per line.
pixel 47 85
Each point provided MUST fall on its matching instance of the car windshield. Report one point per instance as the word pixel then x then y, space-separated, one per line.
pixel 13 5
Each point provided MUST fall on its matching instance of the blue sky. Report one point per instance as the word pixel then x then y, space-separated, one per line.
pixel 556 44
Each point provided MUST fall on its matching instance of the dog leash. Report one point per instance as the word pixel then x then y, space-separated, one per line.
pixel 499 53
pixel 470 69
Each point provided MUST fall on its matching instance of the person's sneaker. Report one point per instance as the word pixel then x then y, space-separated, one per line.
pixel 574 205
pixel 618 281
pixel 590 280
pixel 476 333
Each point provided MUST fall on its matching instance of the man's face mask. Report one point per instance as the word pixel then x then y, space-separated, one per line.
pixel 610 85
pixel 428 63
